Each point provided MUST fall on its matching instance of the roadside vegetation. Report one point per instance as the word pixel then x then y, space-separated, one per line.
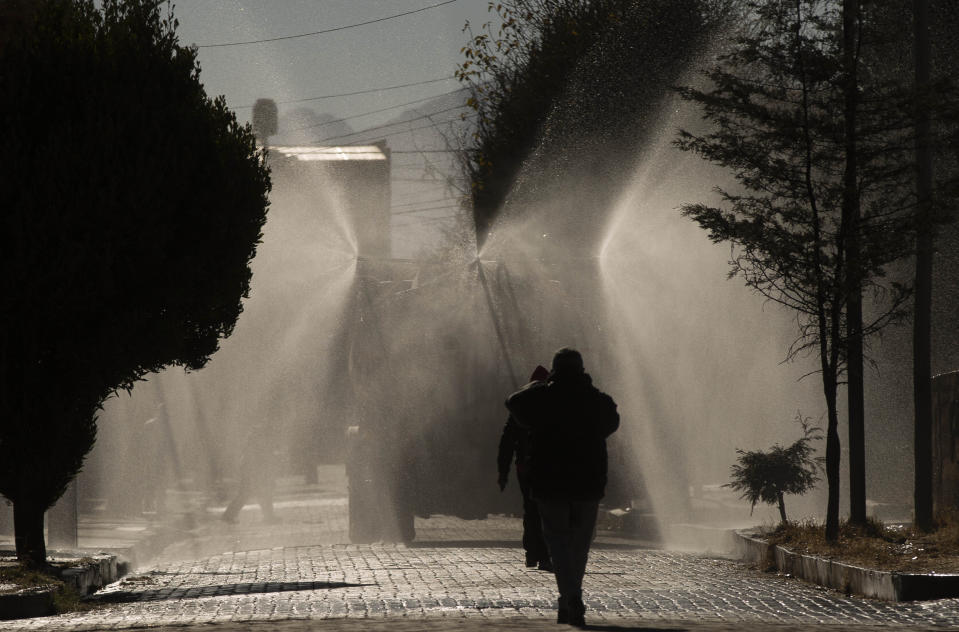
pixel 888 547
pixel 570 88
pixel 838 120
pixel 825 143
pixel 135 206
pixel 16 577
pixel 768 476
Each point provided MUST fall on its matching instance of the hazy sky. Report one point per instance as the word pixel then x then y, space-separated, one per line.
pixel 413 48
pixel 408 49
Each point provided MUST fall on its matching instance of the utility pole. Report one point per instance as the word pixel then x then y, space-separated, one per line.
pixel 922 319
pixel 851 217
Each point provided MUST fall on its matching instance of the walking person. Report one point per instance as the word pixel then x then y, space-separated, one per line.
pixel 257 465
pixel 569 419
pixel 516 440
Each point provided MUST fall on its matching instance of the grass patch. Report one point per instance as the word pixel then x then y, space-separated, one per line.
pixel 898 548
pixel 23 577
pixel 65 596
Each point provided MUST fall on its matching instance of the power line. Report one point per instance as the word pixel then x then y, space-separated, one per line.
pixel 408 131
pixel 387 109
pixel 350 94
pixel 424 220
pixel 338 28
pixel 426 151
pixel 429 208
pixel 436 182
pixel 411 151
pixel 418 191
pixel 444 199
pixel 370 129
pixel 417 118
pixel 434 125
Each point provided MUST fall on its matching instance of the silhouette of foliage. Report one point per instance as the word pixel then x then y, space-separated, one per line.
pixel 774 105
pixel 623 55
pixel 134 206
pixel 768 476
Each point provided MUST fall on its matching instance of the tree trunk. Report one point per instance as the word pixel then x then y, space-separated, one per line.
pixel 28 533
pixel 832 457
pixel 922 325
pixel 856 411
pixel 850 214
pixel 826 299
pixel 782 507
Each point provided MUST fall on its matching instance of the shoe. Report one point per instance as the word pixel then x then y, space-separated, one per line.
pixel 545 565
pixel 530 560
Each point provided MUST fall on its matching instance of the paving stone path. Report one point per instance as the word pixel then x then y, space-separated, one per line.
pixel 457 571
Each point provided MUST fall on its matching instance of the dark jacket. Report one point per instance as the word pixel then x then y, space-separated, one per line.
pixel 514 440
pixel 569 420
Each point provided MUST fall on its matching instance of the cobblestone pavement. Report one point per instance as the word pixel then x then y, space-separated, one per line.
pixel 458 575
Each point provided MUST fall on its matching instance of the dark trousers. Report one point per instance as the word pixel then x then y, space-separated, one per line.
pixel 568 527
pixel 533 542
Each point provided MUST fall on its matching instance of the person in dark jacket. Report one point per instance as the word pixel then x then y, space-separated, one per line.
pixel 516 440
pixel 569 419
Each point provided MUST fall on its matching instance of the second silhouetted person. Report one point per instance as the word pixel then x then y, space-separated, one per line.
pixel 569 419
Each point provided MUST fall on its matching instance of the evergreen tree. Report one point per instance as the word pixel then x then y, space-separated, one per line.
pixel 135 203
pixel 769 476
pixel 913 45
pixel 571 76
pixel 776 106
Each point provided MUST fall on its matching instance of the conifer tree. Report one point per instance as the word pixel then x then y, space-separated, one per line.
pixel 775 108
pixel 134 206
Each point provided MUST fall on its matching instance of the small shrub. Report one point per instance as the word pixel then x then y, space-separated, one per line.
pixel 769 476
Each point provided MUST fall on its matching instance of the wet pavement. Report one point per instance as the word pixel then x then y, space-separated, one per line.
pixel 300 574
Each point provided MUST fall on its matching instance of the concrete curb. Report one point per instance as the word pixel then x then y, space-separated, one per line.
pixel 90 572
pixel 33 602
pixel 846 578
pixel 93 572
pixel 93 569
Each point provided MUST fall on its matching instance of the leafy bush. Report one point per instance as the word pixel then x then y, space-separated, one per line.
pixel 133 206
pixel 769 476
